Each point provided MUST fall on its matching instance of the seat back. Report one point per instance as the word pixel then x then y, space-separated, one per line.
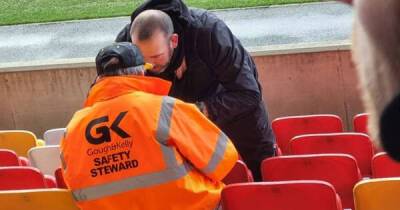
pixel 20 177
pixel 60 179
pixel 46 158
pixel 54 136
pixel 374 194
pixel 50 181
pixel 340 170
pixel 239 174
pixel 360 123
pixel 19 141
pixel 384 166
pixel 285 128
pixel 8 158
pixel 284 195
pixel 357 145
pixel 44 199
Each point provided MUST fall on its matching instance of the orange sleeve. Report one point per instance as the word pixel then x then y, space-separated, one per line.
pixel 201 142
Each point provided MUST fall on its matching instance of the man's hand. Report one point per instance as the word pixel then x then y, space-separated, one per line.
pixel 182 68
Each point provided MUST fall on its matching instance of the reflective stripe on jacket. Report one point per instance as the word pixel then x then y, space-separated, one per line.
pixel 133 148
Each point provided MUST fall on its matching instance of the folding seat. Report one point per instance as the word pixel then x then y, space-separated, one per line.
pixel 18 177
pixel 19 141
pixel 8 158
pixel 377 194
pixel 50 181
pixel 384 166
pixel 45 158
pixel 43 199
pixel 285 128
pixel 357 145
pixel 284 195
pixel 340 170
pixel 239 174
pixel 24 161
pixel 60 179
pixel 360 122
pixel 54 136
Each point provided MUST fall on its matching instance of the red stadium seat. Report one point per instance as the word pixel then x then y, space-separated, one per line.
pixel 286 128
pixel 383 166
pixel 50 181
pixel 19 178
pixel 285 195
pixel 24 161
pixel 357 145
pixel 8 158
pixel 340 170
pixel 239 174
pixel 60 179
pixel 360 122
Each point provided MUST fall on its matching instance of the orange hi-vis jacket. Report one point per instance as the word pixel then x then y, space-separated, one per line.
pixel 133 147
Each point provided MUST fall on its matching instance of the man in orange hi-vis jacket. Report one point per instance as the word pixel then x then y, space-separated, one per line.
pixel 133 147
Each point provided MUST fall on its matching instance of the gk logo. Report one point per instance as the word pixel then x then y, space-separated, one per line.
pixel 104 130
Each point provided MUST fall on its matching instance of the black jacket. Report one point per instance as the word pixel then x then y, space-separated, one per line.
pixel 221 73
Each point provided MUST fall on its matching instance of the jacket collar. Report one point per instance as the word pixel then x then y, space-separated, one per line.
pixel 114 86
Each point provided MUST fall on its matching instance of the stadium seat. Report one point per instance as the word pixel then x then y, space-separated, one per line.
pixel 360 123
pixel 18 177
pixel 357 145
pixel 340 170
pixel 9 158
pixel 384 166
pixel 46 158
pixel 377 194
pixel 24 161
pixel 50 181
pixel 43 199
pixel 54 136
pixel 285 128
pixel 19 141
pixel 239 174
pixel 60 179
pixel 284 195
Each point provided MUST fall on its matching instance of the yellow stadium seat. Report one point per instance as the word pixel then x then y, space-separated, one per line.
pixel 43 199
pixel 377 194
pixel 19 141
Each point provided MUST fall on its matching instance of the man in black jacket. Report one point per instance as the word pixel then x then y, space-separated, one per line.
pixel 206 63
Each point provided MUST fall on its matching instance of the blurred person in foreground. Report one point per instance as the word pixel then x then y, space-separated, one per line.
pixel 376 53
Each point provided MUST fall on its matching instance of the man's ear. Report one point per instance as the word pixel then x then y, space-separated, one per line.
pixel 174 40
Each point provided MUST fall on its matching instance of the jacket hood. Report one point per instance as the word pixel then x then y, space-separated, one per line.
pixel 114 86
pixel 175 8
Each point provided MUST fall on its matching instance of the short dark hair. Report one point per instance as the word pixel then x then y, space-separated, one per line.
pixel 149 21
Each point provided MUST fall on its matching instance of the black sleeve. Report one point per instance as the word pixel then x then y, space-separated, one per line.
pixel 234 70
pixel 124 34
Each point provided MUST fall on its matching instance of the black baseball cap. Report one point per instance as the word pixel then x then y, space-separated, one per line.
pixel 128 55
